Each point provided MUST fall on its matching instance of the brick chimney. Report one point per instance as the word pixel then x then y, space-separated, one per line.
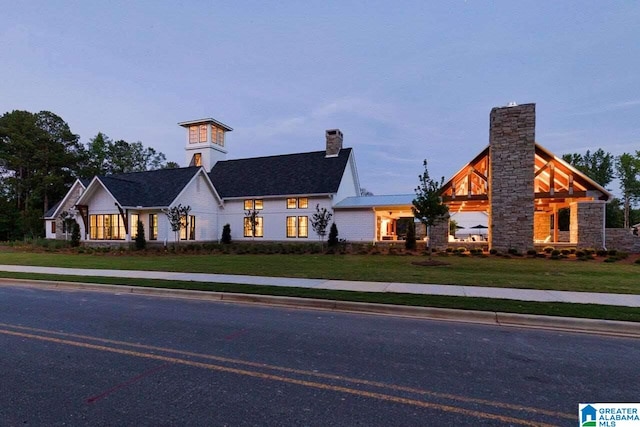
pixel 334 142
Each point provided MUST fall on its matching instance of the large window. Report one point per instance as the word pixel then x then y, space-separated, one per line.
pixel 203 133
pixel 253 204
pixel 153 226
pixel 297 226
pixel 248 232
pixel 188 231
pixel 106 227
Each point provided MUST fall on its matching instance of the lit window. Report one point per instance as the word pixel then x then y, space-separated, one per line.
pixel 188 228
pixel 221 137
pixel 257 205
pixel 193 134
pixel 291 226
pixel 196 160
pixel 153 226
pixel 291 203
pixel 248 229
pixel 303 203
pixel 251 204
pixel 248 204
pixel 133 225
pixel 303 226
pixel 203 133
pixel 106 227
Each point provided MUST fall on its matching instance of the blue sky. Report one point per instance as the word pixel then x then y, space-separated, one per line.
pixel 403 80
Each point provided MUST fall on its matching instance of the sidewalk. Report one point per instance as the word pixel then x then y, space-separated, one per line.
pixel 627 300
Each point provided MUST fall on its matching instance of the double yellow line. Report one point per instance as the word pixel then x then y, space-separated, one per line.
pixel 50 336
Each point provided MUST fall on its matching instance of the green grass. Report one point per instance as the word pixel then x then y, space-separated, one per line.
pixel 533 273
pixel 592 311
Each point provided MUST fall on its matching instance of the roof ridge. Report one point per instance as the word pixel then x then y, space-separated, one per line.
pixel 278 155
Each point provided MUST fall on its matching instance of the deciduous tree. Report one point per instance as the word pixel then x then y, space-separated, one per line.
pixel 428 206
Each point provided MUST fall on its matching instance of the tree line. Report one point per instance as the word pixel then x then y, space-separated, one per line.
pixel 603 168
pixel 40 157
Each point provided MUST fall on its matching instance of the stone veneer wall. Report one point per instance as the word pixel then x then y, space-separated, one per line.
pixel 622 239
pixel 541 225
pixel 440 235
pixel 69 203
pixel 511 177
pixel 587 224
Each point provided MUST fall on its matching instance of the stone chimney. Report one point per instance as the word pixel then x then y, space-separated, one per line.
pixel 334 142
pixel 511 176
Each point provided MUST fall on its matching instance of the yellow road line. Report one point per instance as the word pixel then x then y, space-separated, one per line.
pixel 255 374
pixel 414 390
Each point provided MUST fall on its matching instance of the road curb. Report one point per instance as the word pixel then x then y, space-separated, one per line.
pixel 569 324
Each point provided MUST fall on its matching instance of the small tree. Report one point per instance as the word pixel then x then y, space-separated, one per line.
pixel 333 241
pixel 75 235
pixel 177 217
pixel 141 242
pixel 428 206
pixel 252 217
pixel 320 221
pixel 226 234
pixel 410 243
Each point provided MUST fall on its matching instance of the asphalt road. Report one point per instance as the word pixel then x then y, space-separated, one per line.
pixel 82 358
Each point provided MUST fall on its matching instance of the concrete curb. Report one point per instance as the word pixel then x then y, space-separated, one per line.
pixel 569 324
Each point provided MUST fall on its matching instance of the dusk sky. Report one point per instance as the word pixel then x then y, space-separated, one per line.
pixel 404 80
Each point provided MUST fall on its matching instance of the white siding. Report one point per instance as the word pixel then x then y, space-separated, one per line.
pixel 204 206
pixel 274 216
pixel 356 225
pixel 349 185
pixel 49 234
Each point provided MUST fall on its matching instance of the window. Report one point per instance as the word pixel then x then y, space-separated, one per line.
pixel 292 226
pixel 188 232
pixel 106 227
pixel 217 136
pixel 193 134
pixel 303 226
pixel 203 133
pixel 297 226
pixel 300 203
pixel 196 160
pixel 247 227
pixel 153 226
pixel 251 204
pixel 133 225
pixel 53 227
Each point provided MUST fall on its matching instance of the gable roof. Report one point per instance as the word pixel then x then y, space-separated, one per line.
pixel 150 188
pixel 53 211
pixel 289 174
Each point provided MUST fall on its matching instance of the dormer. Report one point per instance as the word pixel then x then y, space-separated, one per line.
pixel 205 144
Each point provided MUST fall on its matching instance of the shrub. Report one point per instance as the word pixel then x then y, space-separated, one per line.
pixel 579 254
pixel 532 252
pixel 572 250
pixel 541 255
pixel 461 250
pixel 613 252
pixel 493 251
pixel 332 242
pixel 75 235
pixel 513 251
pixel 554 256
pixel 602 252
pixel 410 243
pixel 565 252
pixel 555 252
pixel 226 234
pixel 548 249
pixel 141 242
pixel 449 250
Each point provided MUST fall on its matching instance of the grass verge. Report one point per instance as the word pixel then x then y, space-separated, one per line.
pixel 591 311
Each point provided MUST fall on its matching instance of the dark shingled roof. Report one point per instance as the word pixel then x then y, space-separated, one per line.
pixel 151 188
pixel 289 174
